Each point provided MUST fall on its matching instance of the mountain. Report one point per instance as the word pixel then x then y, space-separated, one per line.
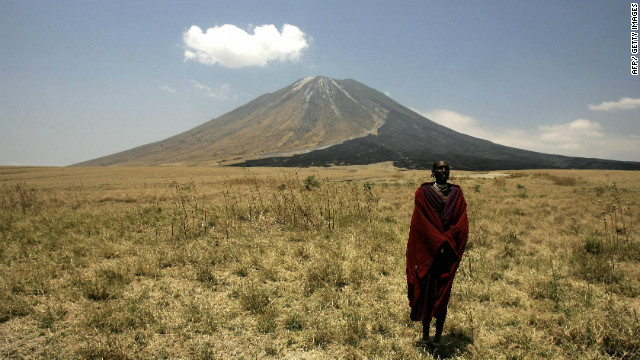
pixel 319 121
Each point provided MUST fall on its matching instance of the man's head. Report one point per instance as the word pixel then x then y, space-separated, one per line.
pixel 440 171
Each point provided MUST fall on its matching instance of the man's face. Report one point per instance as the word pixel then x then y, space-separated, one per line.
pixel 441 172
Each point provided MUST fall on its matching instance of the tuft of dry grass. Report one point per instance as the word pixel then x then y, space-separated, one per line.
pixel 201 263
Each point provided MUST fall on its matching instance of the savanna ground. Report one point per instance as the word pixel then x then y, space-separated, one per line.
pixel 220 263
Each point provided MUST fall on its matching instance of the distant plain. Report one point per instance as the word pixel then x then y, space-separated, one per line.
pixel 308 263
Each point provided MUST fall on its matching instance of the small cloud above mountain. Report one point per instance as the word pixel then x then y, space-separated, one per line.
pixel 232 47
pixel 223 92
pixel 168 88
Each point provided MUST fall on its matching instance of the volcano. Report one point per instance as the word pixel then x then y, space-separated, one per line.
pixel 318 121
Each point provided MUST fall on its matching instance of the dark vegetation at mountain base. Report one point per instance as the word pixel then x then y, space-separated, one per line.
pixel 414 142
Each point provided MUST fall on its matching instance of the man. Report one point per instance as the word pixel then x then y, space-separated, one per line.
pixel 437 238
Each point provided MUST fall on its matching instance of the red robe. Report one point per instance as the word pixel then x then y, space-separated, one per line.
pixel 438 234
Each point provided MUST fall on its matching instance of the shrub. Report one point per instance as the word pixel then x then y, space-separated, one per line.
pixel 294 322
pixel 104 284
pixel 325 272
pixel 267 322
pixel 593 244
pixel 620 338
pixel 311 182
pixel 512 244
pixel 355 329
pixel 596 267
pixel 254 298
pixel 563 180
pixel 205 275
pixel 51 315
pixel 13 306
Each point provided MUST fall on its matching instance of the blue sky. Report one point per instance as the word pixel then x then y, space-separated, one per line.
pixel 84 79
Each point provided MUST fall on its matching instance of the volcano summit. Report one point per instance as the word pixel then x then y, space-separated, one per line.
pixel 318 121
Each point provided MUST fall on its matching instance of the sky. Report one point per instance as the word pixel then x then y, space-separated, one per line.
pixel 85 79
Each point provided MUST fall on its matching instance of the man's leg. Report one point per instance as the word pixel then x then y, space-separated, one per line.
pixel 425 329
pixel 436 339
pixel 439 326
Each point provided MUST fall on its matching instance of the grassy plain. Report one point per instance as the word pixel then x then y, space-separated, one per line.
pixel 221 263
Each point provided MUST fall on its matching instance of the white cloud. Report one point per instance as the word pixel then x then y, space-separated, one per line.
pixel 451 119
pixel 624 103
pixel 580 137
pixel 586 138
pixel 233 47
pixel 167 88
pixel 517 138
pixel 223 92
pixel 456 121
pixel 571 135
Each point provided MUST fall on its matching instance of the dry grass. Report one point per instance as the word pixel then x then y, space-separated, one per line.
pixel 206 263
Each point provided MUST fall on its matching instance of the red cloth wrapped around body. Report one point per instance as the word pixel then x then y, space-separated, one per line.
pixel 437 239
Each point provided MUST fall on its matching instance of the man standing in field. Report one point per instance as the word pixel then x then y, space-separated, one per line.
pixel 437 239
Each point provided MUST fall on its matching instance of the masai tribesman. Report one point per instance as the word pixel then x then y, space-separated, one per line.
pixel 437 238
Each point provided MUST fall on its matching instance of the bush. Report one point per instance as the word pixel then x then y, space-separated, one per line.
pixel 563 180
pixel 325 272
pixel 620 338
pixel 104 284
pixel 593 244
pixel 311 182
pixel 254 298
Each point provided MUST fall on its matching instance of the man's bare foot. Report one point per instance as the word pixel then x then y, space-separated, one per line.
pixel 425 344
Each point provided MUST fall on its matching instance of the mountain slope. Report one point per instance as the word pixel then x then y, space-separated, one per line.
pixel 320 121
pixel 308 114
pixel 412 141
